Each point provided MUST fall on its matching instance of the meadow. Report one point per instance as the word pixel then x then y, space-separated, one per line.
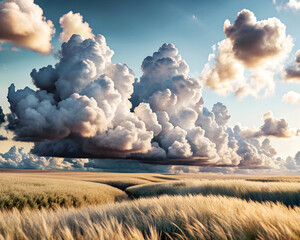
pixel 36 193
pixel 287 193
pixel 147 206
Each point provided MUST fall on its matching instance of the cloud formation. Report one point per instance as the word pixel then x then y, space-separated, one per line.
pixel 291 97
pixel 2 121
pixel 23 24
pixel 72 23
pixel 17 158
pixel 86 106
pixel 84 96
pixel 293 4
pixel 248 56
pixel 272 127
pixel 292 72
pixel 2 116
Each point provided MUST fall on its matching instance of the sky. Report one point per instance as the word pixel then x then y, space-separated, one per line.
pixel 252 70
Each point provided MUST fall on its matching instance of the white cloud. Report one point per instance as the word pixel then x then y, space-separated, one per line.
pixel 86 106
pixel 72 23
pixel 17 158
pixel 248 57
pixel 292 72
pixel 293 4
pixel 291 97
pixel 23 24
pixel 271 127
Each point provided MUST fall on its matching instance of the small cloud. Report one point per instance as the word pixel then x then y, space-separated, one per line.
pixel 194 17
pixel 72 23
pixel 272 127
pixel 291 97
pixel 247 59
pixel 23 24
pixel 293 4
pixel 287 5
pixel 292 72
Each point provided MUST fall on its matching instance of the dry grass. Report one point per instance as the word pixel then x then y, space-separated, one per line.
pixel 287 193
pixel 21 192
pixel 175 217
pixel 53 196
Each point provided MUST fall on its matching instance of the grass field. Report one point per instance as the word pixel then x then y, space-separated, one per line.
pixel 22 192
pixel 287 193
pixel 84 205
pixel 177 217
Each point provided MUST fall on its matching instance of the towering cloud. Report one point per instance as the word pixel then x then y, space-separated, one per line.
pixel 86 106
pixel 292 97
pixel 84 97
pixel 72 23
pixel 23 24
pixel 251 48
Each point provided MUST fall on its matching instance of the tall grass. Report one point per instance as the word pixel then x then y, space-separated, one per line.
pixel 175 217
pixel 21 192
pixel 285 192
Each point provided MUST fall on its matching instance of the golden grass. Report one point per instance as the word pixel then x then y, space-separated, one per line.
pixel 21 192
pixel 287 193
pixel 53 195
pixel 175 217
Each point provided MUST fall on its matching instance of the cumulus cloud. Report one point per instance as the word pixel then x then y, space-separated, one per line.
pixel 293 4
pixel 248 57
pixel 253 153
pixel 23 24
pixel 292 163
pixel 72 23
pixel 2 116
pixel 292 72
pixel 83 96
pixel 221 113
pixel 272 126
pixel 18 158
pixel 2 120
pixel 88 107
pixel 291 97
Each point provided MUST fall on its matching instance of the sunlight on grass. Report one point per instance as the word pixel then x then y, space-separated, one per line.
pixel 180 217
pixel 287 193
pixel 21 192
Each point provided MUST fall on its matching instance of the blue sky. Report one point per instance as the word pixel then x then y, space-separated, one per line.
pixel 135 29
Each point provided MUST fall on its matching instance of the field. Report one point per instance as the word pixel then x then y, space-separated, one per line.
pixel 21 192
pixel 83 205
pixel 287 193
